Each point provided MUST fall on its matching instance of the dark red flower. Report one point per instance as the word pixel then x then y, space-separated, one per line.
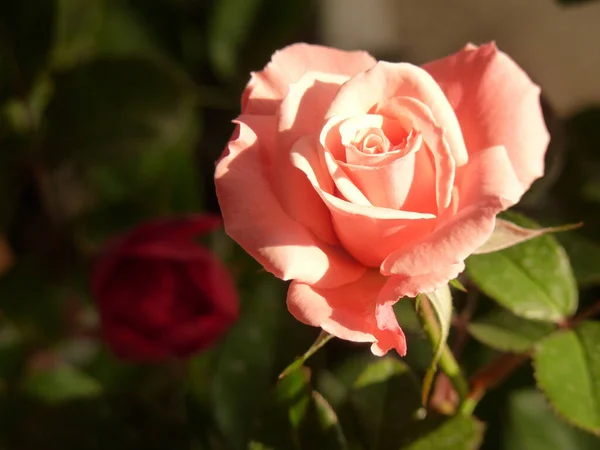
pixel 160 294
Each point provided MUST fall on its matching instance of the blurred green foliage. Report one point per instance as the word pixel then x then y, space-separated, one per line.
pixel 104 106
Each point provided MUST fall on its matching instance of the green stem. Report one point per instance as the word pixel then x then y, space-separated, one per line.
pixel 467 407
pixel 452 370
pixel 447 363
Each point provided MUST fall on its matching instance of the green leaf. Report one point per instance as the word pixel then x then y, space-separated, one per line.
pixel 506 234
pixel 456 284
pixel 298 417
pixel 60 384
pixel 76 29
pixel 567 370
pixel 533 279
pixel 323 339
pixel 277 423
pixel 23 115
pixel 365 391
pixel 531 424
pixel 441 301
pixel 244 366
pixel 111 110
pixel 457 433
pixel 125 33
pixel 328 426
pixel 506 332
pixel 230 23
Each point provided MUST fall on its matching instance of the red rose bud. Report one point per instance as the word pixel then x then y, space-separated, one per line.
pixel 160 294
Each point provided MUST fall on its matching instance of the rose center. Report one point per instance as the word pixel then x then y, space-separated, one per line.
pixel 372 141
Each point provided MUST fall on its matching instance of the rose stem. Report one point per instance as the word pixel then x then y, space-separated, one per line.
pixel 447 362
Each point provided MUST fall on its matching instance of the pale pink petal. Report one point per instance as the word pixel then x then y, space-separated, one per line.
pixel 255 219
pixel 368 233
pixel 379 179
pixel 496 104
pixel 387 185
pixel 267 87
pixel 367 91
pixel 338 132
pixel 411 286
pixel 344 183
pixel 418 116
pixel 389 334
pixel 353 128
pixel 489 174
pixel 303 109
pixel 373 141
pixel 349 312
pixel 301 114
pixel 359 158
pixel 422 196
pixel 486 185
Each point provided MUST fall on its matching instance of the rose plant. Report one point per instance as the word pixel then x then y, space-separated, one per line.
pixel 365 181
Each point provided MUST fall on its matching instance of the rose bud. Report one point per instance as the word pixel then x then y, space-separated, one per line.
pixel 160 294
pixel 365 181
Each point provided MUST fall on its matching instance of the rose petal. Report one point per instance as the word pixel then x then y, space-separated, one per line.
pixel 369 233
pixel 164 249
pixel 303 109
pixel 386 186
pixel 371 89
pixel 212 279
pixel 345 185
pixel 301 114
pixel 353 128
pixel 255 219
pixel 486 185
pixel 188 338
pixel 421 196
pixel 181 228
pixel 358 158
pixel 349 312
pixel 121 301
pixel 389 334
pixel 496 104
pixel 171 235
pixel 411 286
pixel 419 117
pixel 267 87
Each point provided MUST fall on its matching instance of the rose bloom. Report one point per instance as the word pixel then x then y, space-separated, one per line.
pixel 160 294
pixel 365 181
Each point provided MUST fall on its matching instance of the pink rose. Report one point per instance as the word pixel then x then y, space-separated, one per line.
pixel 365 181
